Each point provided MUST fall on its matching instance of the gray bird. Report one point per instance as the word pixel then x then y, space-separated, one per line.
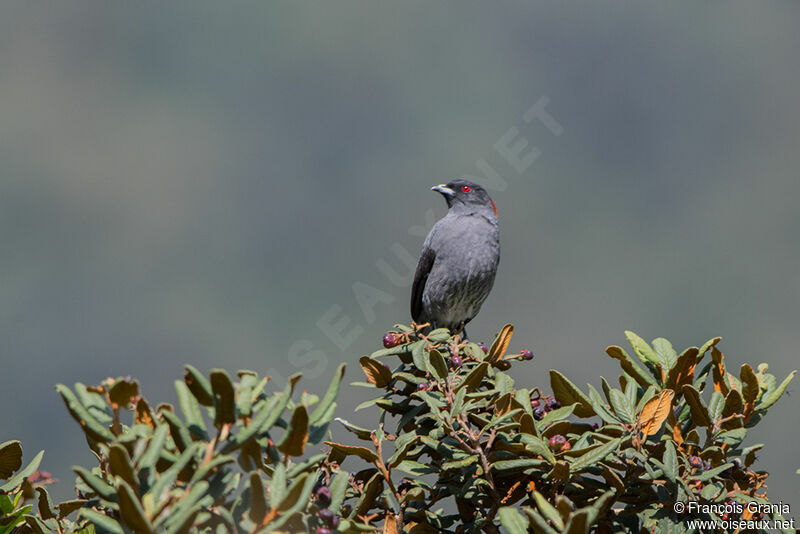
pixel 459 259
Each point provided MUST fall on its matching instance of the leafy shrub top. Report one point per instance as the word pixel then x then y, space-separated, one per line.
pixel 457 447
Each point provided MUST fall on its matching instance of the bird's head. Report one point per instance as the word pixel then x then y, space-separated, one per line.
pixel 464 195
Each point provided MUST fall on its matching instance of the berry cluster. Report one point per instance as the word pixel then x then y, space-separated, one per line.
pixel 542 405
pixel 328 518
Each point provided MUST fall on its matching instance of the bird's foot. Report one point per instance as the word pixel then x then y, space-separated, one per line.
pixel 419 328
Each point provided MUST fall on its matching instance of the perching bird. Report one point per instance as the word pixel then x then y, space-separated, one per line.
pixel 459 259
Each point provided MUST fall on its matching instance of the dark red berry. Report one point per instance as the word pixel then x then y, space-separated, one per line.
pixel 725 517
pixel 327 517
pixel 526 354
pixel 422 387
pixel 323 530
pixel 484 348
pixel 557 442
pixel 538 413
pixel 553 404
pixel 324 495
pixel 455 362
pixel 391 340
pixel 595 426
pixel 535 403
pixel 696 462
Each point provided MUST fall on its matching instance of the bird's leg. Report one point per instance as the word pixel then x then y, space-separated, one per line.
pixel 462 330
pixel 455 344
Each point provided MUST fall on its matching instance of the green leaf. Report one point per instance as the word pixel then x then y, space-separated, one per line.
pixel 568 393
pixel 360 432
pixel 548 510
pixel 350 450
pixel 68 507
pixel 308 465
pixel 89 424
pixel 154 446
pixel 168 477
pixel 438 366
pixel 666 354
pixel 199 386
pixel 771 397
pixel 707 345
pixel 512 520
pixel 600 407
pixel 130 509
pixel 294 441
pixel 670 461
pixel 96 484
pixel 120 464
pixel 17 479
pixel 414 468
pixel 10 458
pixel 711 473
pixel 520 464
pixel 418 356
pixel 732 437
pixel 622 407
pixel 322 411
pixel 182 516
pixel 258 500
pixel 403 444
pixel 474 378
pixel 556 415
pixel 711 491
pixel 698 409
pixel 541 525
pixel 715 405
pixel 578 523
pixel 244 393
pixel 178 431
pixel 630 366
pixel 641 348
pixel 45 504
pixel 101 520
pixel 224 404
pixel 594 456
pixel 439 335
pixel 338 487
pixel 296 491
pixel 369 495
pixel 318 429
pixel 462 463
pixel 537 446
pixel 191 411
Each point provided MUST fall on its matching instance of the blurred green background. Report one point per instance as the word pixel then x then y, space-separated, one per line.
pixel 207 182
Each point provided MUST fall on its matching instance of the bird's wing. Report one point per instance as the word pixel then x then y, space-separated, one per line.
pixel 424 267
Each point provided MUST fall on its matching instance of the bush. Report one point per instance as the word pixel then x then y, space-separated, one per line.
pixel 456 448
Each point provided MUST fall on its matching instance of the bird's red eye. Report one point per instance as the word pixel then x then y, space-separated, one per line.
pixel 466 189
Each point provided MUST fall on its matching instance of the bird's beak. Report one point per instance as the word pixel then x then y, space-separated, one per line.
pixel 443 189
